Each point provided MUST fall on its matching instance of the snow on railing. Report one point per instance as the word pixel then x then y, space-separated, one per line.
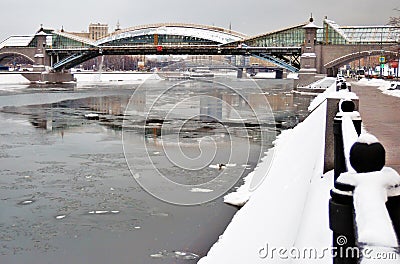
pixel 365 204
pixel 349 135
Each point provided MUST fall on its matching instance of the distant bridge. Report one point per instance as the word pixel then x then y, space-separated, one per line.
pixel 334 45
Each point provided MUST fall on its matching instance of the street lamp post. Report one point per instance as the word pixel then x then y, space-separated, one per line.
pixel 398 57
pixel 380 66
pixel 369 64
pixel 359 53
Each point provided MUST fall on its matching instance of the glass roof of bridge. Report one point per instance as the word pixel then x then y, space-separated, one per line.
pixel 16 41
pixel 332 33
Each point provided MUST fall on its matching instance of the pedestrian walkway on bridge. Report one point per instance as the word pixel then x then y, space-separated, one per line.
pixel 380 114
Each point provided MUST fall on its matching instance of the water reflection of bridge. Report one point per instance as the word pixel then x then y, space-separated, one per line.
pixel 69 114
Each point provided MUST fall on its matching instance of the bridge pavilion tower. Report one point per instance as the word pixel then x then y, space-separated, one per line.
pixel 40 55
pixel 308 61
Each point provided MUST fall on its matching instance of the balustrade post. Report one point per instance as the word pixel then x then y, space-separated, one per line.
pixel 341 209
pixel 365 157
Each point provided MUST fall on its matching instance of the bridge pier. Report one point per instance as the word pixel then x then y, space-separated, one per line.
pixel 49 77
pixel 42 62
pixel 332 72
pixel 241 73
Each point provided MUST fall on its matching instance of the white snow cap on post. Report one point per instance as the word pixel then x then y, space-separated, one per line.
pixel 367 139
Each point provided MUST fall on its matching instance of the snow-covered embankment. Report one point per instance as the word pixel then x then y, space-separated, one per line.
pixel 290 208
pixel 13 78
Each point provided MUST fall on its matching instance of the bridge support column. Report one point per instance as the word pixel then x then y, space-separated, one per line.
pixel 242 73
pixel 239 73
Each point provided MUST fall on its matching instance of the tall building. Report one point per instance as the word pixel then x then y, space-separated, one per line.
pixel 98 31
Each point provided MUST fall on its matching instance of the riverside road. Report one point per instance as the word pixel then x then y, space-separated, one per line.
pixel 380 113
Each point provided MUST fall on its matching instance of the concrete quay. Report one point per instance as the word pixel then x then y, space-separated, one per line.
pixel 380 116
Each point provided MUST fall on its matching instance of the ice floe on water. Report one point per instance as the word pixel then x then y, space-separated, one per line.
pixel 221 166
pixel 186 255
pixel 200 190
pixel 59 217
pixel 159 214
pixel 26 202
pixel 175 254
pixel 103 212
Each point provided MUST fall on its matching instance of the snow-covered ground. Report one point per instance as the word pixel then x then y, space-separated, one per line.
pixel 382 85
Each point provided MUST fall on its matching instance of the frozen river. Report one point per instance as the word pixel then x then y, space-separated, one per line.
pixel 68 194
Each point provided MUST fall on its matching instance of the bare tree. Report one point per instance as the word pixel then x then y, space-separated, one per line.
pixel 395 21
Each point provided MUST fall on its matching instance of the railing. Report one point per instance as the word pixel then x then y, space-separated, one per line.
pixel 364 209
pixel 66 60
pixel 276 61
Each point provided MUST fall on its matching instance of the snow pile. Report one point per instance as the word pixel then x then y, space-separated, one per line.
pixel 278 213
pixel 242 195
pixel 374 82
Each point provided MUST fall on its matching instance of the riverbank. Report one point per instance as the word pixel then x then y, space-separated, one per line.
pixel 286 211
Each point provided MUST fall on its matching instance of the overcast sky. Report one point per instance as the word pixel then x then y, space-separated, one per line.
pixel 23 17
